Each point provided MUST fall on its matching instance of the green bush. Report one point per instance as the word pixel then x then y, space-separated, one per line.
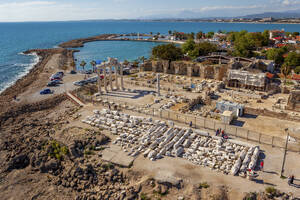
pixel 297 69
pixel 145 197
pixel 203 185
pixel 56 150
pixel 271 190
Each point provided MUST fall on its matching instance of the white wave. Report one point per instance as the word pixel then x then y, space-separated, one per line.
pixel 27 68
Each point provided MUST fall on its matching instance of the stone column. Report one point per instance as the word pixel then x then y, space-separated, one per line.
pixel 110 77
pixel 105 78
pixel 99 79
pixel 122 73
pixel 158 84
pixel 116 76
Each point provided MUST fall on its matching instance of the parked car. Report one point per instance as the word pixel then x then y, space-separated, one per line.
pixel 45 91
pixel 55 78
pixel 79 83
pixel 52 84
pixel 73 72
pixel 61 73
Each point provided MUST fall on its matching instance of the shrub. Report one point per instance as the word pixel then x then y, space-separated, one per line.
pixel 203 185
pixel 144 197
pixel 271 190
pixel 56 150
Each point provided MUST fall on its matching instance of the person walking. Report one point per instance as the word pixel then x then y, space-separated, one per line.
pixel 217 132
pixel 262 165
pixel 191 124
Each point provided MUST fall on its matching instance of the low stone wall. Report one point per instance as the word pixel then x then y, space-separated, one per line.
pixel 269 113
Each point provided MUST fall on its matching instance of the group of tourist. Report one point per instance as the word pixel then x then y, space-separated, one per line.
pixel 222 133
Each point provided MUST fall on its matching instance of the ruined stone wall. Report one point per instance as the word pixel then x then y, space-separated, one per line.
pixel 191 69
pixel 147 66
pixel 180 67
pixel 294 101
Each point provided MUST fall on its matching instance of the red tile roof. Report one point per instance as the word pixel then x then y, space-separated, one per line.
pixel 296 77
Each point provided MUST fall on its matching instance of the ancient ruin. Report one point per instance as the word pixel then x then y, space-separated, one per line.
pixel 118 72
pixel 156 139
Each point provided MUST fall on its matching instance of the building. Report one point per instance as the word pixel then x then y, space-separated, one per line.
pixel 227 117
pixel 247 80
pixel 277 34
pixel 236 108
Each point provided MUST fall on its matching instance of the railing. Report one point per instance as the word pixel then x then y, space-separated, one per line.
pixel 197 122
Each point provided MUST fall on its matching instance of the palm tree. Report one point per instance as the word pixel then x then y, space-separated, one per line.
pixel 93 63
pixel 170 32
pixel 73 65
pixel 142 59
pixel 125 62
pixel 285 70
pixel 82 64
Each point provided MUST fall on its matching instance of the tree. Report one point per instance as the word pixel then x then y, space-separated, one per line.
pixel 126 62
pixel 266 38
pixel 93 63
pixel 292 59
pixel 297 70
pixel 188 46
pixel 243 47
pixel 82 64
pixel 276 55
pixel 203 49
pixel 210 34
pixel 167 52
pixel 294 34
pixel 191 36
pixel 199 35
pixel 73 65
pixel 170 32
pixel 288 34
pixel 142 59
pixel 285 70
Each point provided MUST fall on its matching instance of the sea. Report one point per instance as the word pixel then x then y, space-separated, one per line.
pixel 16 38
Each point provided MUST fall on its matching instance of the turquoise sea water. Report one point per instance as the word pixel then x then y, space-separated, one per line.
pixel 18 37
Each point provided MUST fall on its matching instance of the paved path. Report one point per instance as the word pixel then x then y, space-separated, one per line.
pixel 75 99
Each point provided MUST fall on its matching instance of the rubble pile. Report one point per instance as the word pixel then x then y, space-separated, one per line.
pixel 156 139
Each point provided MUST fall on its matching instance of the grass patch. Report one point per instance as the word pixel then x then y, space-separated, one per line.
pixel 160 194
pixel 283 177
pixel 271 190
pixel 203 185
pixel 145 197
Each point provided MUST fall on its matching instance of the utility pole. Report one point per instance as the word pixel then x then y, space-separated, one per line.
pixel 285 150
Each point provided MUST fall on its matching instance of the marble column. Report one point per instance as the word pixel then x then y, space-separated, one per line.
pixel 105 78
pixel 99 79
pixel 121 73
pixel 110 78
pixel 116 76
pixel 158 84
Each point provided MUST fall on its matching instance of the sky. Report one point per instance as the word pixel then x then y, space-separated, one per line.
pixel 62 10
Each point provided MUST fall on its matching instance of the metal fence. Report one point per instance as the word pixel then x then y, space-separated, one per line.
pixel 197 122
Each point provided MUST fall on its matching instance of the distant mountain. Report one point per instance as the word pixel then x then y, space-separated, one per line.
pixel 188 14
pixel 276 15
